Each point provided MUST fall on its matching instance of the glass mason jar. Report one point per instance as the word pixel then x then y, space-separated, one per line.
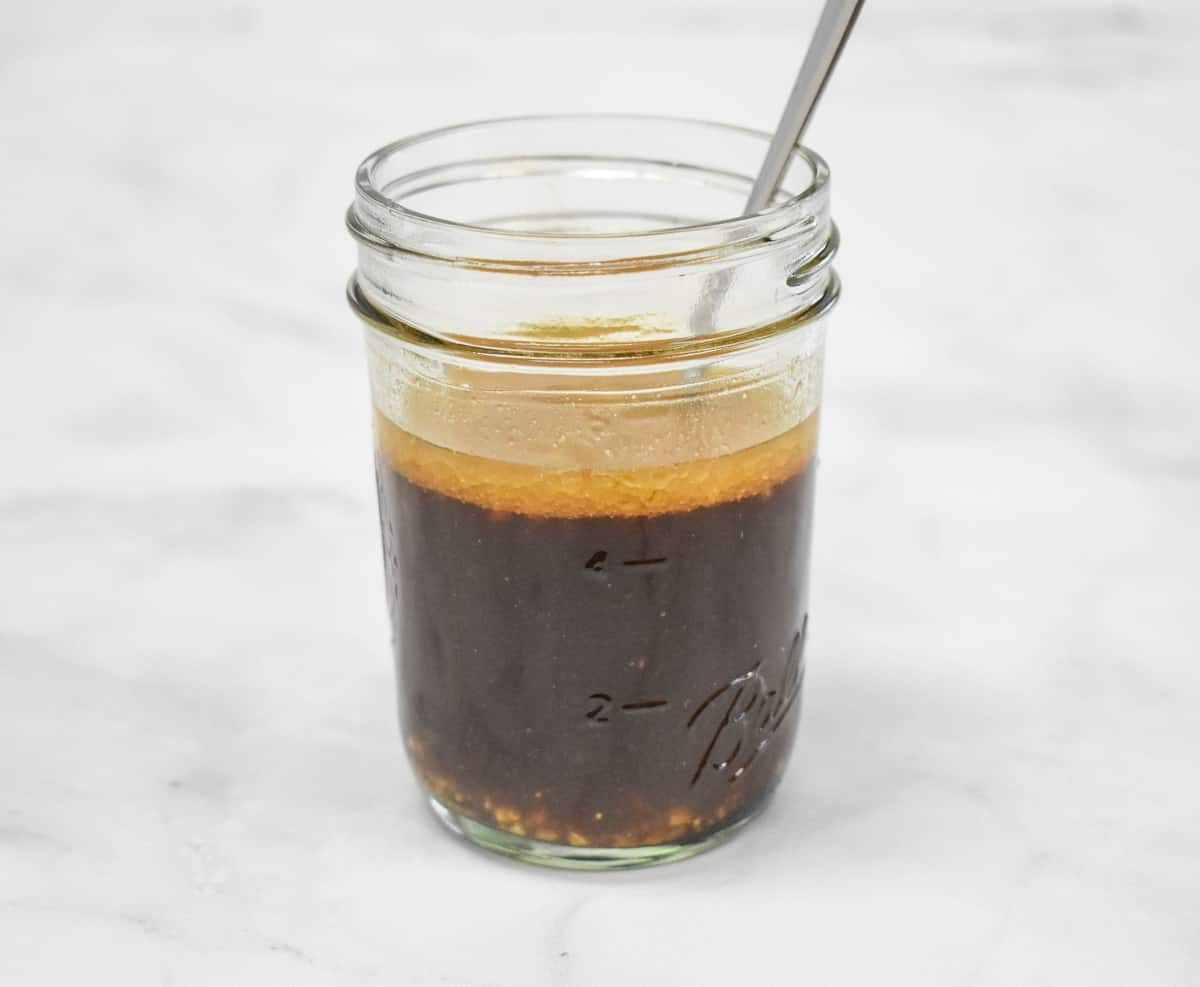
pixel 596 399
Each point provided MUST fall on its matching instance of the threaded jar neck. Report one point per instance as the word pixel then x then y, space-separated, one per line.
pixel 588 236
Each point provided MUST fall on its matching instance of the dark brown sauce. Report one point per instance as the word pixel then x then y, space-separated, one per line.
pixel 598 680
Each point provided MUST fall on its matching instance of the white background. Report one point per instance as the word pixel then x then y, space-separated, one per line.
pixel 200 775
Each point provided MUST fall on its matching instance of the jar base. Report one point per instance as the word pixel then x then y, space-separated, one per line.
pixel 569 857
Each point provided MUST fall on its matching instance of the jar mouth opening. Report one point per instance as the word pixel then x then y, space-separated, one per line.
pixel 424 193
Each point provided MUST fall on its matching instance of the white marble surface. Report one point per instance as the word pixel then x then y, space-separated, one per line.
pixel 200 777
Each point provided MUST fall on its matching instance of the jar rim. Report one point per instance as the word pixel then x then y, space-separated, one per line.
pixel 379 220
pixel 676 161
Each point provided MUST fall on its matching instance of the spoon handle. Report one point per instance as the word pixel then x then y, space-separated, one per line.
pixel 837 20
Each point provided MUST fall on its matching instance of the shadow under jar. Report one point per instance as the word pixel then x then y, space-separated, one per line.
pixel 596 400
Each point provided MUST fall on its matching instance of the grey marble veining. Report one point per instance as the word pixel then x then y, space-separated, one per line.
pixel 200 776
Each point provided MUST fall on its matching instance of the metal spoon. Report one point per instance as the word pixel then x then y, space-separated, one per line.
pixel 828 40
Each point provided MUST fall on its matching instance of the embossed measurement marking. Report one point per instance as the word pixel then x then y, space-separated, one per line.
pixel 600 704
pixel 598 562
pixel 744 726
